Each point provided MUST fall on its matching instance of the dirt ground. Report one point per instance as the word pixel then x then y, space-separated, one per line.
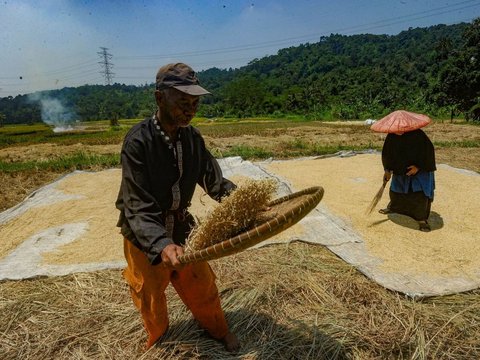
pixel 453 139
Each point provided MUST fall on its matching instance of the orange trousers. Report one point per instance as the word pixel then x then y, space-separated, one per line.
pixel 195 284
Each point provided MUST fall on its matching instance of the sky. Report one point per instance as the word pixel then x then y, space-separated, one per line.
pixel 51 44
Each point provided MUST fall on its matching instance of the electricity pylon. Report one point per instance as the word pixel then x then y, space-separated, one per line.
pixel 106 64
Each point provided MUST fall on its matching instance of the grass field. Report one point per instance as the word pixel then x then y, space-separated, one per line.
pixel 296 302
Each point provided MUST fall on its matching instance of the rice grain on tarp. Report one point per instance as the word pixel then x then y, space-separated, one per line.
pixel 235 213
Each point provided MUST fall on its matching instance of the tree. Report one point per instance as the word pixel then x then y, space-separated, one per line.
pixel 459 79
pixel 434 69
pixel 244 95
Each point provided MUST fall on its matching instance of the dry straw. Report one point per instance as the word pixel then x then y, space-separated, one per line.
pixel 234 214
pixel 295 302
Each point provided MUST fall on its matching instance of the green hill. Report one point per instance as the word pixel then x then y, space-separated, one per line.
pixel 433 70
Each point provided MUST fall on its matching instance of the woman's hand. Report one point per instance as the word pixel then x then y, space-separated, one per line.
pixel 412 170
pixel 387 175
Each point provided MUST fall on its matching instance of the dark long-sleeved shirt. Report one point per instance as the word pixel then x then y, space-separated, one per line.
pixel 151 165
pixel 412 148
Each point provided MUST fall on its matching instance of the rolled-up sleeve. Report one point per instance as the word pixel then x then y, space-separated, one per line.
pixel 142 212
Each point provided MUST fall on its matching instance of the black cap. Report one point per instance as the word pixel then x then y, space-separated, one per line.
pixel 179 76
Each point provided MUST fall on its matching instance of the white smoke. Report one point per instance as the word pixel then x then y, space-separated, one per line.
pixel 54 113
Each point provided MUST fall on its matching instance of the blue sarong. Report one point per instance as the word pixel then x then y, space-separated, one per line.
pixel 421 181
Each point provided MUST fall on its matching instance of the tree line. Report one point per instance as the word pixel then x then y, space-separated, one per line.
pixel 434 70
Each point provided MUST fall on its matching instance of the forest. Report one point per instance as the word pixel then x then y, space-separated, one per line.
pixel 434 70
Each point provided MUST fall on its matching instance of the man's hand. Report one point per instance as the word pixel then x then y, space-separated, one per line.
pixel 170 256
pixel 387 175
pixel 412 170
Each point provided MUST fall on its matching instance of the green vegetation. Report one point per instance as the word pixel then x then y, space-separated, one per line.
pixel 458 144
pixel 77 161
pixel 98 133
pixel 245 152
pixel 432 70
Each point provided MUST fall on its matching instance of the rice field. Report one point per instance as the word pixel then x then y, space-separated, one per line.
pixel 283 302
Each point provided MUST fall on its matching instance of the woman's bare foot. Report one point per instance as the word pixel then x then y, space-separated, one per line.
pixel 231 343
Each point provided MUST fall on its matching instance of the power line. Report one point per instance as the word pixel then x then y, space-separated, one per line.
pixel 107 65
pixel 315 36
pixel 400 19
pixel 66 69
pixel 85 69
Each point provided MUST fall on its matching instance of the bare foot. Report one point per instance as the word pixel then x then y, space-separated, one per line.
pixel 231 343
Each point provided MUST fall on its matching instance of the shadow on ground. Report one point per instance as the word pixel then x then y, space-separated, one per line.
pixel 435 220
pixel 261 336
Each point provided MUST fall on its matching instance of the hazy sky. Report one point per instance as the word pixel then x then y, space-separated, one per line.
pixel 55 43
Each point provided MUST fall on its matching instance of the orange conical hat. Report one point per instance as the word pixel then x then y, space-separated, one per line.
pixel 401 121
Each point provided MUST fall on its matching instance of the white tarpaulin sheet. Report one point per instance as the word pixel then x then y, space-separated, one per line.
pixel 69 225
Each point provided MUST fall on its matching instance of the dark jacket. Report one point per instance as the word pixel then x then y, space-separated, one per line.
pixel 150 168
pixel 412 148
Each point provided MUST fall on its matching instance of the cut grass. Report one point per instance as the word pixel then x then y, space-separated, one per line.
pixel 284 302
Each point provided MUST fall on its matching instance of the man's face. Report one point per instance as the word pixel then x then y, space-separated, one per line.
pixel 178 108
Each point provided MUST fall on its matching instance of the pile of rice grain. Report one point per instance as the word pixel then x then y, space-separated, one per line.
pixel 235 213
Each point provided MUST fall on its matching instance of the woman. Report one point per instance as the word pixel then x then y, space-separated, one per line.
pixel 410 157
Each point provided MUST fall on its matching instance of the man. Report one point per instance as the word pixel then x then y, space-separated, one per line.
pixel 163 158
